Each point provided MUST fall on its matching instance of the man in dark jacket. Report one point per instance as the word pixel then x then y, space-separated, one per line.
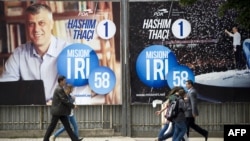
pixel 192 110
pixel 61 107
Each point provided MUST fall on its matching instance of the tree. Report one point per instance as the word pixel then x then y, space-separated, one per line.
pixel 240 6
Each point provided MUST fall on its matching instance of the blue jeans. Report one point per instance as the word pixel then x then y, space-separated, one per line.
pixel 180 128
pixel 168 134
pixel 72 120
pixel 163 130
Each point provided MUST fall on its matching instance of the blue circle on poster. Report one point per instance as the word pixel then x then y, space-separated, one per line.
pixel 173 60
pixel 178 75
pixel 102 80
pixel 153 64
pixel 75 62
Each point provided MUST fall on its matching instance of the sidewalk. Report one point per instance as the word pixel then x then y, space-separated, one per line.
pixel 106 139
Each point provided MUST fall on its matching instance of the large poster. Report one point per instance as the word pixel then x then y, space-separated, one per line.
pixel 170 44
pixel 84 47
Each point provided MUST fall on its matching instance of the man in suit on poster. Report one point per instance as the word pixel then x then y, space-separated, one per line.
pixel 192 110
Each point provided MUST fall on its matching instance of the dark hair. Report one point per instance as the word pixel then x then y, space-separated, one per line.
pixel 190 82
pixel 68 86
pixel 61 78
pixel 36 7
pixel 174 90
pixel 182 92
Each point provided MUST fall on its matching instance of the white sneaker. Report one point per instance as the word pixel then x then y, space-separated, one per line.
pixel 52 138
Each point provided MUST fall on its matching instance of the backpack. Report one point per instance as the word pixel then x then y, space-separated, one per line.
pixel 173 109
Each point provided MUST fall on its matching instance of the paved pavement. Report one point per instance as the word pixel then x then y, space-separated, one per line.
pixel 106 139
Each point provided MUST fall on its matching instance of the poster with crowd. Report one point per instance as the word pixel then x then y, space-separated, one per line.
pixel 84 47
pixel 170 44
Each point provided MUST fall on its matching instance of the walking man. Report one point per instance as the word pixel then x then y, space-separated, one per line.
pixel 192 110
pixel 60 110
pixel 68 89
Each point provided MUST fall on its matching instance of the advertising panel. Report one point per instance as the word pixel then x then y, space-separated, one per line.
pixel 170 44
pixel 79 40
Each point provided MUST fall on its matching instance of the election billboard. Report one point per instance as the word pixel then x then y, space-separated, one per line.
pixel 80 40
pixel 170 43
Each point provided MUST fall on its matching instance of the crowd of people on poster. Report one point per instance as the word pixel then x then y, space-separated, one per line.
pixel 206 50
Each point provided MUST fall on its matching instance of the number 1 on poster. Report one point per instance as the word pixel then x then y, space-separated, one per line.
pixel 106 29
pixel 181 28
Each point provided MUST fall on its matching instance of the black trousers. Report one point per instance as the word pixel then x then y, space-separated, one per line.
pixel 65 122
pixel 190 121
pixel 239 58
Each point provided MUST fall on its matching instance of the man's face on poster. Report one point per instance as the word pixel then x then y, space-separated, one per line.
pixel 39 27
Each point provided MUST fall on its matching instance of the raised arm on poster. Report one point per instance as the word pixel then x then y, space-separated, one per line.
pixel 237 48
